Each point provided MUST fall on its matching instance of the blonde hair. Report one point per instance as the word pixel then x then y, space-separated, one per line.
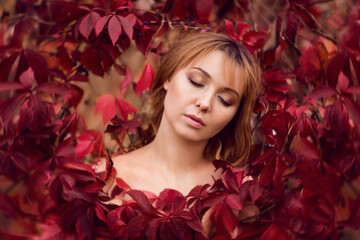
pixel 232 143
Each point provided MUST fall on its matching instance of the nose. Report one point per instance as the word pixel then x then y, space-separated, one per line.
pixel 204 102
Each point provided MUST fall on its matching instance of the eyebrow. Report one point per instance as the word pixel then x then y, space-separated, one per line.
pixel 208 76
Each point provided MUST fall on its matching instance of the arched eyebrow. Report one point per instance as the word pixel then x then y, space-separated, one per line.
pixel 209 76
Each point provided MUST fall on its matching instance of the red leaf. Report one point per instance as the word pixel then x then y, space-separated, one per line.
pixel 255 191
pixel 353 90
pixel 85 145
pixel 229 29
pixel 204 8
pixel 9 107
pixel 26 117
pixel 309 64
pixel 224 218
pixel 6 86
pixel 64 58
pixel 99 26
pixel 242 28
pixel 106 104
pixel 292 24
pixel 343 81
pixel 126 81
pixel 78 78
pixel 321 92
pixel 146 78
pixel 141 199
pixel 354 108
pixel 128 26
pixel 229 180
pixel 305 16
pixel 38 63
pixel 88 23
pixel 334 67
pixel 170 200
pixel 267 173
pixel 234 200
pixel 27 78
pixel 275 231
pixel 124 108
pixel 114 29
pixel 122 184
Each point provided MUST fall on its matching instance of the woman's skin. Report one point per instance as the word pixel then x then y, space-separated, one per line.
pixel 199 103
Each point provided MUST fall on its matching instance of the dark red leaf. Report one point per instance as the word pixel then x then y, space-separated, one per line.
pixel 267 173
pixel 204 8
pixel 8 108
pixel 39 65
pixel 275 231
pixel 141 199
pixel 64 58
pixel 354 108
pixel 321 92
pixel 309 64
pixel 146 78
pixel 292 24
pixel 334 67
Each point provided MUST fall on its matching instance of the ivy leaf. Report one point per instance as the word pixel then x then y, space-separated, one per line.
pixel 106 104
pixel 146 78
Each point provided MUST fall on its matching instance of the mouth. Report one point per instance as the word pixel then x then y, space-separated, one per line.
pixel 195 119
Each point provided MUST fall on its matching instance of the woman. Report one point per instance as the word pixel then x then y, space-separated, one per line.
pixel 201 103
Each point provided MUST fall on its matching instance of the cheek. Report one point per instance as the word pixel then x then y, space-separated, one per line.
pixel 224 118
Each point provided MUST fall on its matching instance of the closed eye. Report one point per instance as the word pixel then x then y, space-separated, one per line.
pixel 224 102
pixel 195 83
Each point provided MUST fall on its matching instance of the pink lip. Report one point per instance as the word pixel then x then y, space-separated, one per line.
pixel 194 121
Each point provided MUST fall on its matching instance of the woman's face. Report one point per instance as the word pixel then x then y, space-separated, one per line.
pixel 200 101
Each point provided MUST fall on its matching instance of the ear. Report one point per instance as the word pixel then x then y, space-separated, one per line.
pixel 166 85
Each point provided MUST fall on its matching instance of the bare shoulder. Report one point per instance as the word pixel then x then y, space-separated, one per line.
pixel 128 164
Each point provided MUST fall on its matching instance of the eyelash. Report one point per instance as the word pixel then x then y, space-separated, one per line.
pixel 226 104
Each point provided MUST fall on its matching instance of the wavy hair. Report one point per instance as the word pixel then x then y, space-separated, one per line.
pixel 232 143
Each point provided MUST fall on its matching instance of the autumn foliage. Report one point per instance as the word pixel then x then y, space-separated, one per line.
pixel 302 180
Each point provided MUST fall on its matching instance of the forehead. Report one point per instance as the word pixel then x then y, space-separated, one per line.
pixel 222 68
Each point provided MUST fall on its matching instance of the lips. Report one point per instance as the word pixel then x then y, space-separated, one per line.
pixel 195 118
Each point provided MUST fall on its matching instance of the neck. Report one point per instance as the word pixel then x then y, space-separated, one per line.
pixel 176 154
